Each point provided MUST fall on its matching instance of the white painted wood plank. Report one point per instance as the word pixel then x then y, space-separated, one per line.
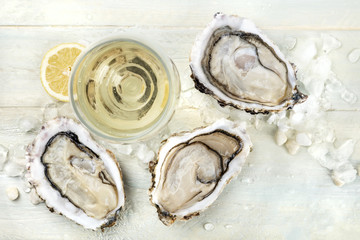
pixel 22 51
pixel 318 14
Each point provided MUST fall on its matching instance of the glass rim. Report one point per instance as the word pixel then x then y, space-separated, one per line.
pixel 171 72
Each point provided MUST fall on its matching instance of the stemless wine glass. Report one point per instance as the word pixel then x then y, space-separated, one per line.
pixel 124 88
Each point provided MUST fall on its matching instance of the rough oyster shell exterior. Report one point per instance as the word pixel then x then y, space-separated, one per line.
pixel 47 190
pixel 204 79
pixel 232 162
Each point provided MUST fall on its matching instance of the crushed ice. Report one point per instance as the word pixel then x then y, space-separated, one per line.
pixel 144 153
pixel 50 112
pixel 305 125
pixel 15 166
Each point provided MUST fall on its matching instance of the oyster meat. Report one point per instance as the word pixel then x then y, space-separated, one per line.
pixel 193 168
pixel 74 175
pixel 238 65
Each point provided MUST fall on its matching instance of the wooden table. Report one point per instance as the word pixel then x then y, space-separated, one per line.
pixel 277 196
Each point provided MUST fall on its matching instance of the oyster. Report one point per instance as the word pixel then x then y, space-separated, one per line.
pixel 74 175
pixel 238 65
pixel 193 168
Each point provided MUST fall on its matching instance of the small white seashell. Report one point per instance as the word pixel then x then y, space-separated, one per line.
pixel 292 147
pixel 12 193
pixel 280 137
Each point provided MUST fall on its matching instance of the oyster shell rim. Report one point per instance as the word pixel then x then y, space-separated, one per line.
pixel 201 81
pixel 222 124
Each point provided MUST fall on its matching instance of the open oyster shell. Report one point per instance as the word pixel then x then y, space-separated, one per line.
pixel 238 65
pixel 193 168
pixel 75 176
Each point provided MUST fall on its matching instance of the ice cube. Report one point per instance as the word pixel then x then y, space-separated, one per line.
pixel 16 163
pixel 322 133
pixel 318 151
pixel 320 68
pixel 3 156
pixel 290 42
pixel 311 106
pixel 17 154
pixel 284 124
pixel 144 153
pixel 329 135
pixel 282 115
pixel 325 103
pixel 13 169
pixel 258 122
pixel 305 52
pixel 50 111
pixel 28 123
pixel 315 87
pixel 306 79
pixel 344 174
pixel 296 118
pixel 344 152
pixel 65 110
pixel 273 118
pixel 303 139
pixel 126 149
pixel 348 96
pixel 186 81
pixel 193 98
pixel 333 84
pixel 354 55
pixel 329 43
pixel 329 162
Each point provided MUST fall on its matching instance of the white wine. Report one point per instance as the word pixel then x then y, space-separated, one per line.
pixel 122 87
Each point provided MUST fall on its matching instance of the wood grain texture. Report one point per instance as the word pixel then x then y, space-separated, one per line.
pixel 277 196
pixel 321 14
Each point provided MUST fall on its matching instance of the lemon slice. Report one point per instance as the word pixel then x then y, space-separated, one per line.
pixel 56 67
